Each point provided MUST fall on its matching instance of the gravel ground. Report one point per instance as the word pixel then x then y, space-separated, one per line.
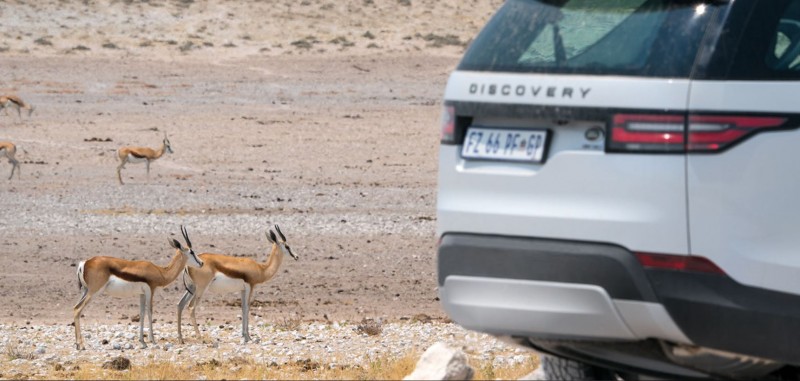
pixel 356 199
pixel 323 118
pixel 42 348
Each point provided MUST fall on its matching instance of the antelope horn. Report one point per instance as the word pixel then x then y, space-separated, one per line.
pixel 186 236
pixel 283 237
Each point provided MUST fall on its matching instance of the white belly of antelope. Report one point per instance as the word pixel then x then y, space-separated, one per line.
pixel 122 288
pixel 223 283
pixel 136 160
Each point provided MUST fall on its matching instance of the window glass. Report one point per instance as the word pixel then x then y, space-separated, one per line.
pixel 786 40
pixel 760 41
pixel 633 37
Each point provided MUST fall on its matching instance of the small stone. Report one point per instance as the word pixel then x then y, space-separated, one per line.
pixel 118 363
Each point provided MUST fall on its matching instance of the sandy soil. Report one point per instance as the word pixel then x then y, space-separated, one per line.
pixel 318 116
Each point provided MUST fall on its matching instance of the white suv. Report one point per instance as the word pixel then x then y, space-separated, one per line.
pixel 619 186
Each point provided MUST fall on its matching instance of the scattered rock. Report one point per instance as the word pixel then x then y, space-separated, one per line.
pixel 440 362
pixel 370 327
pixel 118 363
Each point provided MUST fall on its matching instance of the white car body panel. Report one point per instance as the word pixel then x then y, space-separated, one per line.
pixel 743 202
pixel 739 96
pixel 575 195
pixel 637 201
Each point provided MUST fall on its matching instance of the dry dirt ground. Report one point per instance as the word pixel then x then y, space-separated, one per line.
pixel 321 117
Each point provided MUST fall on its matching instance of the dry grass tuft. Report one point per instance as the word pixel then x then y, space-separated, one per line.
pixel 421 318
pixel 486 370
pixel 14 352
pixel 289 324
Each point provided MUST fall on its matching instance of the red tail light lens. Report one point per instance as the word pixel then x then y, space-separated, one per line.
pixel 678 263
pixel 649 133
pixel 708 133
pixel 668 133
pixel 448 125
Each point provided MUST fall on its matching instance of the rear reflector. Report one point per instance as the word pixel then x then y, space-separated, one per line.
pixel 668 133
pixel 448 125
pixel 678 263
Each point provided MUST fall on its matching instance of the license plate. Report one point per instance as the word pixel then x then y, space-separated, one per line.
pixel 505 144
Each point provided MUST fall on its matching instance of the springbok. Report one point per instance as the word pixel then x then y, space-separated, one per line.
pixel 7 101
pixel 222 273
pixel 123 278
pixel 8 150
pixel 141 154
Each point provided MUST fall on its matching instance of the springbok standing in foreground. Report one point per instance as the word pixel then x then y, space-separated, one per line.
pixel 141 154
pixel 222 273
pixel 8 150
pixel 7 101
pixel 123 278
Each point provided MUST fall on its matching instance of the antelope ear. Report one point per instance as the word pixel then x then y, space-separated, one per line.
pixel 272 237
pixel 174 243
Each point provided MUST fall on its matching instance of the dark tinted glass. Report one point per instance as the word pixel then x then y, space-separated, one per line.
pixel 615 37
pixel 768 47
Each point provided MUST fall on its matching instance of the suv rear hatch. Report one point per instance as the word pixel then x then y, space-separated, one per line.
pixel 566 119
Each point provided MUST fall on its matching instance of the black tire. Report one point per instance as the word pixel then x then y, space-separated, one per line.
pixel 558 368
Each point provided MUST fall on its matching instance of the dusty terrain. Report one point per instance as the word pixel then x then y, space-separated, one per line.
pixel 320 117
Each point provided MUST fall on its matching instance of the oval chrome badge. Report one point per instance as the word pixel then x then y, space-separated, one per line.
pixel 593 134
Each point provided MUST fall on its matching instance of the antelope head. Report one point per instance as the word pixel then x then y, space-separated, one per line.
pixel 193 260
pixel 281 243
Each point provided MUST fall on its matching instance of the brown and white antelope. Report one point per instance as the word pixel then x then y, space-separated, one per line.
pixel 123 278
pixel 222 273
pixel 7 101
pixel 8 150
pixel 141 154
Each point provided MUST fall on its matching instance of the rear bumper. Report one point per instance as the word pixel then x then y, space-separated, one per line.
pixel 559 290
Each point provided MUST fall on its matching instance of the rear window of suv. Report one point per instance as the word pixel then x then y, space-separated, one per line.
pixel 619 37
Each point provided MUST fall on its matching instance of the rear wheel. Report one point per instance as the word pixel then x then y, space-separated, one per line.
pixel 558 368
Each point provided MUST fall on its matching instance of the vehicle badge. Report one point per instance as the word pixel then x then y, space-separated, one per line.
pixel 593 134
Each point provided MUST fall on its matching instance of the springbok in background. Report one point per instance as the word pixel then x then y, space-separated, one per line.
pixel 123 278
pixel 222 273
pixel 7 101
pixel 141 154
pixel 8 150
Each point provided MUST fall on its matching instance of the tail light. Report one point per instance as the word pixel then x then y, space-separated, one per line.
pixel 448 125
pixel 648 133
pixel 709 133
pixel 678 263
pixel 667 133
